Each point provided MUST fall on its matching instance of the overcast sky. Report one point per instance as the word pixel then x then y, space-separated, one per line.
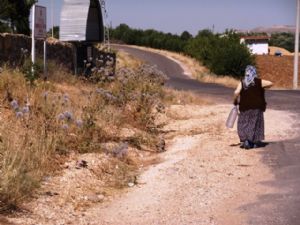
pixel 176 16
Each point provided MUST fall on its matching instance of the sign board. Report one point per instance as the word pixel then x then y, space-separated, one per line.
pixel 40 23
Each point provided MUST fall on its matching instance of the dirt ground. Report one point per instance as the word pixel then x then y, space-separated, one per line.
pixel 203 178
pixel 277 69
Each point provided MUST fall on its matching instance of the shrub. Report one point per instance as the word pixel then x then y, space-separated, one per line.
pixel 31 71
pixel 42 124
pixel 223 55
pixel 283 40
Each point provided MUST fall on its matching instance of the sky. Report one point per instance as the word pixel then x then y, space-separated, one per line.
pixel 176 16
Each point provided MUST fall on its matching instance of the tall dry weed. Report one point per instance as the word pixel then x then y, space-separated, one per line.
pixel 42 123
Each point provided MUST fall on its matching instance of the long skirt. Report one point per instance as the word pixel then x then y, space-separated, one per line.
pixel 251 125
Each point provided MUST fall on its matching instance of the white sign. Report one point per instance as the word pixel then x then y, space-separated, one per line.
pixel 40 23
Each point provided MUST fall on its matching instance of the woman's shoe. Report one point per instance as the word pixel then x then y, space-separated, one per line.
pixel 248 145
pixel 242 145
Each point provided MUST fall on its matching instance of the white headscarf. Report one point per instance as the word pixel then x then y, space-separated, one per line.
pixel 250 75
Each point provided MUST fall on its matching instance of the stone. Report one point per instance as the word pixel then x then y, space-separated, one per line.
pixel 81 164
pixel 95 198
pixel 130 184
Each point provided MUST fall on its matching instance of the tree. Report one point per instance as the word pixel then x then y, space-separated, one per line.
pixel 223 55
pixel 14 15
pixel 6 9
pixel 283 40
pixel 185 36
pixel 55 32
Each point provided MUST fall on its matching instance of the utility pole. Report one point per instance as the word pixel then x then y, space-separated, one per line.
pixel 52 17
pixel 33 37
pixel 296 56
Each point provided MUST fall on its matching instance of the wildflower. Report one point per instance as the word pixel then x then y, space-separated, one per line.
pixel 68 115
pixel 61 116
pixel 79 123
pixel 14 104
pixel 121 151
pixel 19 114
pixel 66 98
pixel 65 126
pixel 25 109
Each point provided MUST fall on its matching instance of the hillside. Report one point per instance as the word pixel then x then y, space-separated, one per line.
pixel 272 29
pixel 275 29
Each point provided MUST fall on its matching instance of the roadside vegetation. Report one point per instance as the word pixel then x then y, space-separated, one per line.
pixel 283 40
pixel 43 122
pixel 222 54
pixel 14 16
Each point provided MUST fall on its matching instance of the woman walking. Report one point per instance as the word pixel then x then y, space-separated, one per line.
pixel 252 105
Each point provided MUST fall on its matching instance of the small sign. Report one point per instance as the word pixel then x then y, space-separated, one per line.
pixel 40 23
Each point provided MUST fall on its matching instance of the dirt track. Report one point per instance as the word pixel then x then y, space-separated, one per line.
pixel 204 177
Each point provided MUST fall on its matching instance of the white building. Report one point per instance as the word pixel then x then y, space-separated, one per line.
pixel 258 45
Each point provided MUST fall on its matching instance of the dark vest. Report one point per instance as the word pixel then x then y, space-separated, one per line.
pixel 253 97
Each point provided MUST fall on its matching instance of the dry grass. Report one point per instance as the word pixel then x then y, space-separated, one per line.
pixel 184 98
pixel 273 49
pixel 68 115
pixel 125 60
pixel 42 124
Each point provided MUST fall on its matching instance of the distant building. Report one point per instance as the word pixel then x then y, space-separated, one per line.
pixel 258 45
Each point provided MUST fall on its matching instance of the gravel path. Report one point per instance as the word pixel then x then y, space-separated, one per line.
pixel 204 178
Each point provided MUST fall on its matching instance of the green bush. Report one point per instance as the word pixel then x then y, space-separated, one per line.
pixel 222 54
pixel 32 71
pixel 283 40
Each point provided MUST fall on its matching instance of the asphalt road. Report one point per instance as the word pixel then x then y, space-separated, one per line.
pixel 282 208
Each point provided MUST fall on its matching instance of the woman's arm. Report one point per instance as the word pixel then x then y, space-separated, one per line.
pixel 266 84
pixel 237 93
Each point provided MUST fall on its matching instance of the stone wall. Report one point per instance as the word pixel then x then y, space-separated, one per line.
pixel 11 46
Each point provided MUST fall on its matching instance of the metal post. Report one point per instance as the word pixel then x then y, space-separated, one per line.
pixel 32 36
pixel 45 59
pixel 52 17
pixel 75 58
pixel 296 54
